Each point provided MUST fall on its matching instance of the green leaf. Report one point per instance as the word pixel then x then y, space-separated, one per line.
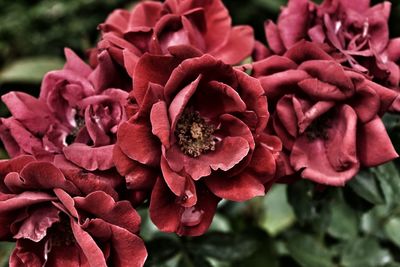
pixel 300 196
pixel 220 224
pixel 223 246
pixel 160 249
pixel 5 251
pixel 29 70
pixel 392 230
pixel 3 154
pixel 265 255
pixel 373 220
pixel 389 179
pixel 307 251
pixel 195 261
pixel 365 185
pixel 343 223
pixel 273 6
pixel 364 252
pixel 278 215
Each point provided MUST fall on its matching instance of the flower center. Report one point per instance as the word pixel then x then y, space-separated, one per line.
pixel 319 127
pixel 194 134
pixel 61 233
pixel 80 123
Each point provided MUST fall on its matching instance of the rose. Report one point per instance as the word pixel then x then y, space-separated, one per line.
pixel 357 34
pixel 196 133
pixel 76 114
pixel 327 117
pixel 154 26
pixel 54 226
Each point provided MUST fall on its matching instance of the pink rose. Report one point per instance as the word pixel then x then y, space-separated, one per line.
pixel 327 116
pixel 154 26
pixel 356 34
pixel 196 134
pixel 77 114
pixel 54 226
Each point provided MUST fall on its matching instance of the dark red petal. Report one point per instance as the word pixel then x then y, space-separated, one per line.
pixel 160 124
pixel 137 142
pixel 183 187
pixel 271 65
pixel 103 206
pixel 229 152
pixel 238 46
pixel 293 22
pixel 90 158
pixel 241 187
pixel 274 37
pixel 373 144
pixel 332 161
pixel 137 176
pixel 36 225
pixel 89 247
pixel 164 211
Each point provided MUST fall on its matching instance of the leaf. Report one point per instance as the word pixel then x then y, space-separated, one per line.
pixel 5 251
pixel 220 224
pixel 343 223
pixel 278 215
pixel 3 154
pixel 306 251
pixel 29 70
pixel 373 220
pixel 265 255
pixel 160 249
pixel 300 195
pixel 195 261
pixel 389 179
pixel 364 252
pixel 223 246
pixel 365 185
pixel 392 230
pixel 273 6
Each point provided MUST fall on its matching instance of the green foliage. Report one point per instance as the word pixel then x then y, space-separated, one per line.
pixel 29 70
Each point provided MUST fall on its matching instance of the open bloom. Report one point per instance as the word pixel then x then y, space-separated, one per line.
pixel 196 134
pixel 356 34
pixel 154 26
pixel 55 226
pixel 327 116
pixel 76 115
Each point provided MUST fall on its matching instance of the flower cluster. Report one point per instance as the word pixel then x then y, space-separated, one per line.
pixel 165 114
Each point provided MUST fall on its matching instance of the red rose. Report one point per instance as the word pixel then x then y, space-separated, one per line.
pixel 357 34
pixel 154 26
pixel 76 115
pixel 53 226
pixel 197 128
pixel 327 117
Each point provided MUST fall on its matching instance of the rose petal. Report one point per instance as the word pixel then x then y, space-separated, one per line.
pixel 374 145
pixel 241 187
pixel 238 46
pixel 35 226
pixel 90 158
pixel 137 142
pixel 103 206
pixel 229 152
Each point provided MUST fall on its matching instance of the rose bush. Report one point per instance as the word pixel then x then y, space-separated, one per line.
pixel 154 26
pixel 196 133
pixel 327 116
pixel 76 115
pixel 54 225
pixel 357 35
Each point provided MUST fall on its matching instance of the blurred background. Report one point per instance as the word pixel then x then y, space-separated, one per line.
pixel 299 225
